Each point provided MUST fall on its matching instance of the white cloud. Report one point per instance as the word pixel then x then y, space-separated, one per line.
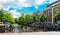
pixel 36 7
pixel 6 4
pixel 51 1
pixel 39 1
pixel 15 14
pixel 20 3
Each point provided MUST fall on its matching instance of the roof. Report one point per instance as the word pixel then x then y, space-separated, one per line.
pixel 53 3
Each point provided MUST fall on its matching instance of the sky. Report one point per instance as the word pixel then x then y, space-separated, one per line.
pixel 16 7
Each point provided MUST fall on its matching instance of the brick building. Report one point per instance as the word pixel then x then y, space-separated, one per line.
pixel 51 10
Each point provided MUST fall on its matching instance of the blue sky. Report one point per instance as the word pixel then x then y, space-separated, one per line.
pixel 16 7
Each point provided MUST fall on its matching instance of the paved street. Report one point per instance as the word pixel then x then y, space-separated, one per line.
pixel 33 33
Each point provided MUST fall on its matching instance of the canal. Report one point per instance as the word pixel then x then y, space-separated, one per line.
pixel 16 29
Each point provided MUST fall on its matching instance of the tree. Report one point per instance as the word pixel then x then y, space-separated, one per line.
pixel 20 19
pixel 1 14
pixel 42 18
pixel 34 18
pixel 9 17
pixel 57 15
pixel 5 16
pixel 16 20
pixel 27 17
pixel 24 19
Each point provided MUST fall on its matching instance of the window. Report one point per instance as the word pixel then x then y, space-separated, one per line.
pixel 55 9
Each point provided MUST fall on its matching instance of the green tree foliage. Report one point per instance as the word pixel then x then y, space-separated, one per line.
pixel 1 14
pixel 16 20
pixel 6 16
pixel 9 17
pixel 24 19
pixel 21 19
pixel 42 18
pixel 27 17
pixel 57 15
pixel 34 18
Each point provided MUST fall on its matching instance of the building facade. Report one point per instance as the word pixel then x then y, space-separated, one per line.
pixel 51 10
pixel 38 14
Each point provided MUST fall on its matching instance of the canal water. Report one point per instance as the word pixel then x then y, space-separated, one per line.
pixel 16 30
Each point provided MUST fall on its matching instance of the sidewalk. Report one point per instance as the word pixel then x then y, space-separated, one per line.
pixel 32 33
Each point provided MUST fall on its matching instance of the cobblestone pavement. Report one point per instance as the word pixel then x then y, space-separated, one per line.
pixel 32 33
